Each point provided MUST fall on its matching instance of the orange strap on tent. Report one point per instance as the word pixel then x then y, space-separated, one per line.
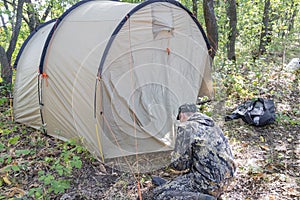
pixel 96 124
pixel 168 51
pixel 11 107
pixel 99 142
pixel 45 76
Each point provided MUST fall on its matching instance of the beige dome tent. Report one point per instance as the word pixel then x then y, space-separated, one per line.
pixel 113 75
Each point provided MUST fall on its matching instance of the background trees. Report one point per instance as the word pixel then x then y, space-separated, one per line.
pixel 18 19
pixel 12 32
pixel 241 30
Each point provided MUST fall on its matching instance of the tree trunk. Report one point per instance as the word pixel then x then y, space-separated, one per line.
pixel 195 8
pixel 231 14
pixel 16 30
pixel 211 25
pixel 33 21
pixel 265 32
pixel 5 66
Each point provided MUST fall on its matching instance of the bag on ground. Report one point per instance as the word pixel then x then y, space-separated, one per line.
pixel 258 112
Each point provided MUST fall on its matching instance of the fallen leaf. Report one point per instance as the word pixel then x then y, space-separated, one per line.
pixel 294 192
pixel 260 175
pixel 264 147
pixel 16 192
pixel 270 168
pixel 282 177
pixel 6 180
pixel 262 139
pixel 272 197
pixel 281 148
pixel 33 185
pixel 244 144
pixel 103 169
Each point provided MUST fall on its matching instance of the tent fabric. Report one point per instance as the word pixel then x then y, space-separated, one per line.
pixel 116 74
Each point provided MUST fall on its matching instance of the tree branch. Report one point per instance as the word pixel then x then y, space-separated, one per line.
pixel 46 13
pixel 31 16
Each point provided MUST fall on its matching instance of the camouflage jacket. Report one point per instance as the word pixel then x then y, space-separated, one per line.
pixel 202 148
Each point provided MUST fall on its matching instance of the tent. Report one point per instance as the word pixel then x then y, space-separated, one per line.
pixel 26 100
pixel 113 74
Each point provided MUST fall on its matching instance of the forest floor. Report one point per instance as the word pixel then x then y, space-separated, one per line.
pixel 36 166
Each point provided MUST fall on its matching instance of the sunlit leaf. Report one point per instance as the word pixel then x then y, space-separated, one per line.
pixel 6 180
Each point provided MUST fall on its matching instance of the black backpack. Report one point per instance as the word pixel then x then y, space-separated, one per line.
pixel 258 112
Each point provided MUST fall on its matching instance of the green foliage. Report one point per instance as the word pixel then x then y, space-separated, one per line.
pixel 285 119
pixel 249 18
pixel 14 139
pixel 5 89
pixel 30 8
pixel 60 166
pixel 56 186
pixel 3 100
pixel 76 162
pixel 24 152
pixel 46 178
pixel 37 193
pixel 252 76
pixel 2 147
pixel 19 156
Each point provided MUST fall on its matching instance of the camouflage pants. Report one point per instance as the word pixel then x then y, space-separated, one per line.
pixel 181 188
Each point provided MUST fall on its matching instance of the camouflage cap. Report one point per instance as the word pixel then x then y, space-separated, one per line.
pixel 188 107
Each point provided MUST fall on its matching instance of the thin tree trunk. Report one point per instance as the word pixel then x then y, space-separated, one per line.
pixel 5 66
pixel 32 21
pixel 231 14
pixel 265 32
pixel 195 8
pixel 46 13
pixel 5 57
pixel 211 25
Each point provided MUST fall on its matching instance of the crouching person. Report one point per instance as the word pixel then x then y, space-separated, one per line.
pixel 202 150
